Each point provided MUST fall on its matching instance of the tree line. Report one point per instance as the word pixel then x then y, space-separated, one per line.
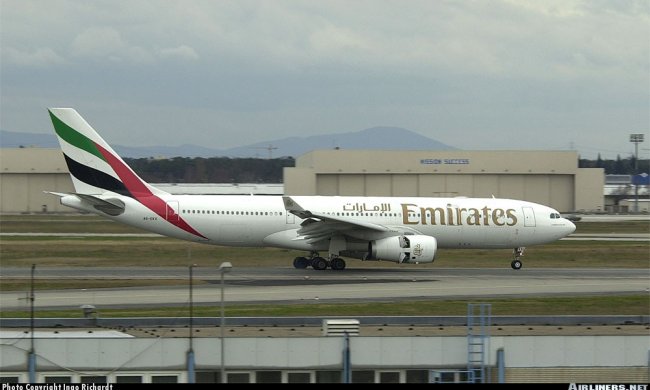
pixel 257 170
pixel 620 166
pixel 211 170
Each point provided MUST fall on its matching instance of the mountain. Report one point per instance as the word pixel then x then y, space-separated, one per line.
pixel 377 138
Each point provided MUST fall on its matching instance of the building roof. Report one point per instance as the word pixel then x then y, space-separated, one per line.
pixel 62 334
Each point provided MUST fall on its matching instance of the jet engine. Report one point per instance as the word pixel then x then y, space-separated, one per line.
pixel 403 249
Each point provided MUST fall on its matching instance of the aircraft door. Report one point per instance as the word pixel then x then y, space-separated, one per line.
pixel 172 211
pixel 291 219
pixel 529 217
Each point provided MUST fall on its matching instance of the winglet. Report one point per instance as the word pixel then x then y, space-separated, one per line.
pixel 294 208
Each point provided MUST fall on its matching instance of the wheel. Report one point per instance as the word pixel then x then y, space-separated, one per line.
pixel 319 263
pixel 337 264
pixel 300 262
pixel 516 264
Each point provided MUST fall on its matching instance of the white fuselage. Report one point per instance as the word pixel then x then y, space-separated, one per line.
pixel 264 221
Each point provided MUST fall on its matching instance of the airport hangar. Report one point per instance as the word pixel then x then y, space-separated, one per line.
pixel 547 177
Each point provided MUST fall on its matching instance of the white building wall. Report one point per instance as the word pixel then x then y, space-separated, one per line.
pixel 572 351
pixel 109 354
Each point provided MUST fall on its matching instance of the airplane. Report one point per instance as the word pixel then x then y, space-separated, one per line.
pixel 397 229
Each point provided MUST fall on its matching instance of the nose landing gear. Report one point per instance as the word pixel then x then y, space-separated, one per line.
pixel 517 254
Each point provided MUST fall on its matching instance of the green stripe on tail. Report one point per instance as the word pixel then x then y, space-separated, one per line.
pixel 74 138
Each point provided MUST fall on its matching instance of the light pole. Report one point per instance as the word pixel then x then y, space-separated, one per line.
pixel 223 268
pixel 636 139
pixel 31 359
pixel 191 375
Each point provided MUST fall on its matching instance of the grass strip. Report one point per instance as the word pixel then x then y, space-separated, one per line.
pixel 637 304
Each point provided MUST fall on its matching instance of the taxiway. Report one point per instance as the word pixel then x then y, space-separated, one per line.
pixel 289 285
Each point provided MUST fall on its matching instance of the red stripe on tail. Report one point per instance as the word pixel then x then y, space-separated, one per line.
pixel 142 194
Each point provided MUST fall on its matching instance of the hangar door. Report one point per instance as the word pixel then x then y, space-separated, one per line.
pixel 562 193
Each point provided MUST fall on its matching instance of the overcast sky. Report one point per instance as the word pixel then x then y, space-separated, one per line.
pixel 502 74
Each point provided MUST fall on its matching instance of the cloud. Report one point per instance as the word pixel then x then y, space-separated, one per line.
pixel 40 57
pixel 105 43
pixel 508 38
pixel 182 52
pixel 465 71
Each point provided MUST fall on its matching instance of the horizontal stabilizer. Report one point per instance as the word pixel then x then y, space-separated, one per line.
pixel 110 206
pixel 59 194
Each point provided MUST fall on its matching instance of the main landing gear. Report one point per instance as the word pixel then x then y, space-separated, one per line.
pixel 319 263
pixel 517 254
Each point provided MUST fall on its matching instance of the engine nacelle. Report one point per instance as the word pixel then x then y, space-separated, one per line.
pixel 404 249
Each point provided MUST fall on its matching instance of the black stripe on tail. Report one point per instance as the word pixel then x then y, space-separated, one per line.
pixel 96 178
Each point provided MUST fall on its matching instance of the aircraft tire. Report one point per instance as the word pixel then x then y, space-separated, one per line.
pixel 337 264
pixel 319 263
pixel 301 262
pixel 516 264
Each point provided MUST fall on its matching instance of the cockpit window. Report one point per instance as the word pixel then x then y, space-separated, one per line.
pixel 555 216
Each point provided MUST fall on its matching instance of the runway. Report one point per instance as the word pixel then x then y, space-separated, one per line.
pixel 289 285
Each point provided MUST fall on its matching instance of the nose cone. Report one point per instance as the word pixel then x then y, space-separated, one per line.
pixel 570 227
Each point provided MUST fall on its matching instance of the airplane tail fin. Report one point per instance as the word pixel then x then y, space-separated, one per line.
pixel 94 166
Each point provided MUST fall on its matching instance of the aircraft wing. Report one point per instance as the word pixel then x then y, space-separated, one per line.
pixel 317 227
